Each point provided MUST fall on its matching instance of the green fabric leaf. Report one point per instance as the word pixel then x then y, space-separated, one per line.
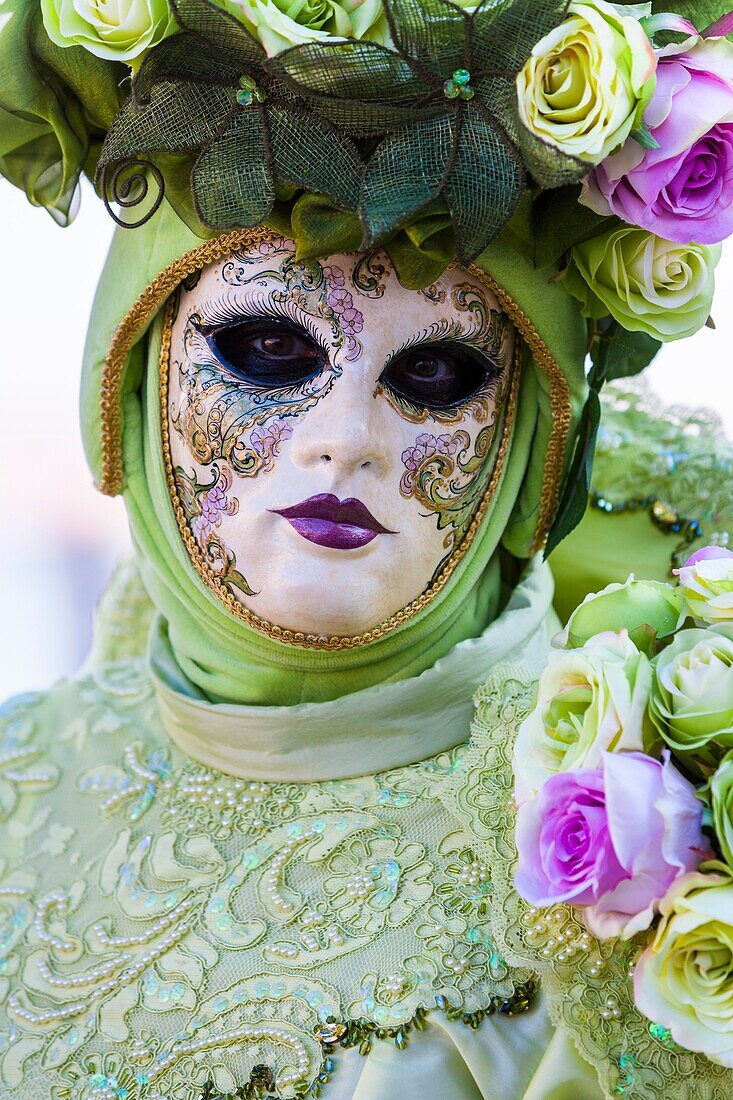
pixel 232 180
pixel 701 13
pixel 185 57
pixel 559 222
pixel 310 154
pixel 504 34
pixel 484 184
pixel 432 32
pixel 218 27
pixel 407 170
pixel 55 106
pixel 616 353
pixel 320 229
pixel 361 87
pixel 574 499
pixel 178 117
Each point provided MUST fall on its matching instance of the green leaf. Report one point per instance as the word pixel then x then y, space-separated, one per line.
pixel 617 353
pixel 219 28
pixel 484 184
pixel 643 136
pixel 178 117
pixel 361 87
pixel 406 171
pixel 431 32
pixel 311 154
pixel 185 57
pixel 559 222
pixel 321 229
pixel 574 498
pixel 232 180
pixel 504 34
pixel 702 13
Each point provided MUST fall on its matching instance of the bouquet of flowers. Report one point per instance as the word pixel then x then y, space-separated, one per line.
pixel 624 787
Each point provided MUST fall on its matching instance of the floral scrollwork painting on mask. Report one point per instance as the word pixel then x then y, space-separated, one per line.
pixel 344 424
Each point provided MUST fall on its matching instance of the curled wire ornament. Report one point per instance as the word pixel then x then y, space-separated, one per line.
pixel 127 185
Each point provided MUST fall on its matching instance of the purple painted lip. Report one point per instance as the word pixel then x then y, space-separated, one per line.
pixel 328 521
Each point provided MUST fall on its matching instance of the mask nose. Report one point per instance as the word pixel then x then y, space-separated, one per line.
pixel 343 431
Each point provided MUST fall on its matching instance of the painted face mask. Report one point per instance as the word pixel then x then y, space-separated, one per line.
pixel 330 437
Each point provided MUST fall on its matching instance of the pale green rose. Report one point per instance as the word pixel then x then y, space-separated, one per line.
pixel 633 606
pixel 707 586
pixel 646 283
pixel 119 30
pixel 279 24
pixel 585 85
pixel 590 700
pixel 721 802
pixel 684 980
pixel 692 692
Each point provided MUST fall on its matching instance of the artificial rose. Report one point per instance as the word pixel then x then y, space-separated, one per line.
pixel 692 692
pixel 590 700
pixel 585 85
pixel 721 803
pixel 706 582
pixel 632 605
pixel 683 190
pixel 585 840
pixel 646 283
pixel 684 980
pixel 119 30
pixel 279 24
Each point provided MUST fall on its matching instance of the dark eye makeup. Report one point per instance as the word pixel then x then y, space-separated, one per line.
pixel 438 376
pixel 272 353
pixel 266 352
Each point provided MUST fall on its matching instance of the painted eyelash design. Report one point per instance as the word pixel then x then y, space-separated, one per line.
pixel 440 332
pixel 227 309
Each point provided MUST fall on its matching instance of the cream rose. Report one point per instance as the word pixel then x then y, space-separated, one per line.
pixel 646 283
pixel 279 24
pixel 590 700
pixel 585 85
pixel 706 582
pixel 692 692
pixel 684 981
pixel 119 30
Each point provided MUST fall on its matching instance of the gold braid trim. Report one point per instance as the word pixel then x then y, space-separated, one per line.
pixel 560 406
pixel 317 641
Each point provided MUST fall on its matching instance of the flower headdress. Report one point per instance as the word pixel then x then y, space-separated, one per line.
pixel 596 137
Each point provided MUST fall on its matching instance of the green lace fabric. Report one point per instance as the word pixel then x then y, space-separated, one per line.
pixel 587 982
pixel 675 461
pixel 163 925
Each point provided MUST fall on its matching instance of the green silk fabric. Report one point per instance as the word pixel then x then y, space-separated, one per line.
pixel 218 653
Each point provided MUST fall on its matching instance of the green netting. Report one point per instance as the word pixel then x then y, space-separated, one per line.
pixel 484 184
pixel 232 180
pixel 313 155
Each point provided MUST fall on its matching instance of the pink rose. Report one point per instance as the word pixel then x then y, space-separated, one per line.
pixel 611 841
pixel 682 191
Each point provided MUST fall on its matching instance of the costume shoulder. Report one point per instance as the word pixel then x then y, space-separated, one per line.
pixel 123 617
pixel 661 489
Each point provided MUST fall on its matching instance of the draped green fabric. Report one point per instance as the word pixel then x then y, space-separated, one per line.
pixel 219 654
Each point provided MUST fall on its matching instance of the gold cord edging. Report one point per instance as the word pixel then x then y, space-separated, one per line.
pixel 299 638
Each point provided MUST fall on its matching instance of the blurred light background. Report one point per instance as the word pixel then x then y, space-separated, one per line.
pixel 59 538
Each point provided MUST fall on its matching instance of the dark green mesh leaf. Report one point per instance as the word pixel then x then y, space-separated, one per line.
pixel 232 179
pixel 432 32
pixel 219 27
pixel 359 86
pixel 485 182
pixel 548 166
pixel 309 153
pixel 186 57
pixel 503 34
pixel 177 118
pixel 406 171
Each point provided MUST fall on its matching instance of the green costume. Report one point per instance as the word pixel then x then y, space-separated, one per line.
pixel 234 863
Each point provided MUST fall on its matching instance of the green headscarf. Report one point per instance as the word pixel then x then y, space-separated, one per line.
pixel 220 655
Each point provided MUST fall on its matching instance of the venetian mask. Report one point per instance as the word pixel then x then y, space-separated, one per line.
pixel 330 436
